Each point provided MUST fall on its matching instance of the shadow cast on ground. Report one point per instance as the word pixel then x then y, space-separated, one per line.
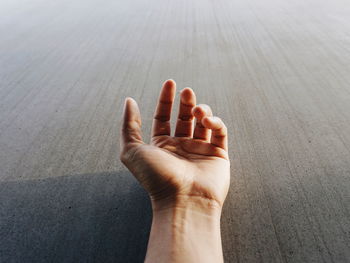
pixel 102 217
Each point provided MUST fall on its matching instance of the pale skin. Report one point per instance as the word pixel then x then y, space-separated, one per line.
pixel 186 175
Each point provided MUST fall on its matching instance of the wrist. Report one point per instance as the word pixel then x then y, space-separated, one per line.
pixel 191 226
pixel 198 204
pixel 196 215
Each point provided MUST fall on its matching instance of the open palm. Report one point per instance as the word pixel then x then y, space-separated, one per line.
pixel 191 164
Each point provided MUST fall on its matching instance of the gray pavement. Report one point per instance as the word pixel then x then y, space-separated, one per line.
pixel 277 72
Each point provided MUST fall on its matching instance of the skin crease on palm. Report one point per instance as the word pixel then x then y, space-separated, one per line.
pixel 193 165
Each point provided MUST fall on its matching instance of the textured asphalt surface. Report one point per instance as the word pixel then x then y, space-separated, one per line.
pixel 276 71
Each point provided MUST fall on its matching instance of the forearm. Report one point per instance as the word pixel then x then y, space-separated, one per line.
pixel 187 232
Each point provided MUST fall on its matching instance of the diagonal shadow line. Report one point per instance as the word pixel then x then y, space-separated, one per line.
pixel 102 217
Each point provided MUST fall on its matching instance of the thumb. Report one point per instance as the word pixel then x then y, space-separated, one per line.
pixel 131 124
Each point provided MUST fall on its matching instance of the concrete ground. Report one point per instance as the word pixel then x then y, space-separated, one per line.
pixel 277 72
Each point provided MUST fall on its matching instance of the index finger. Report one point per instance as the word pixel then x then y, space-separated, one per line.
pixel 161 120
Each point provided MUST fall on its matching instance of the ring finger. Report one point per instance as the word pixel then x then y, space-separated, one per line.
pixel 199 112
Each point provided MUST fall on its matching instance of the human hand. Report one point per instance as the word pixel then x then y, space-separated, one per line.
pixel 191 167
